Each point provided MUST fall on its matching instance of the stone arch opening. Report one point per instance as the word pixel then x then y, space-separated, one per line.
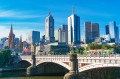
pixel 102 73
pixel 50 68
pixel 24 64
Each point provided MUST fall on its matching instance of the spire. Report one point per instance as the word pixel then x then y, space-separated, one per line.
pixel 49 11
pixel 11 30
pixel 73 10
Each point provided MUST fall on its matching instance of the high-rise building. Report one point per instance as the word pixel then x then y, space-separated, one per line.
pixel 117 35
pixel 94 31
pixel 33 37
pixel 87 32
pixel 73 29
pixel 112 31
pixel 107 29
pixel 11 38
pixel 49 28
pixel 56 34
pixel 63 34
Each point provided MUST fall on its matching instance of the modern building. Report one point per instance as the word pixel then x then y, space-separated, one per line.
pixel 33 36
pixel 49 28
pixel 73 29
pixel 56 34
pixel 107 29
pixel 99 40
pixel 57 48
pixel 3 40
pixel 63 34
pixel 114 32
pixel 117 35
pixel 87 32
pixel 94 31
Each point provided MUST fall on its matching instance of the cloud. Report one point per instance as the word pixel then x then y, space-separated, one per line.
pixel 17 14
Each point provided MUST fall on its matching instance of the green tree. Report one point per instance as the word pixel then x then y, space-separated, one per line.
pixel 77 51
pixel 81 50
pixel 5 56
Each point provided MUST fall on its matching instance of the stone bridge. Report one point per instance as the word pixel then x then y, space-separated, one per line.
pixel 84 62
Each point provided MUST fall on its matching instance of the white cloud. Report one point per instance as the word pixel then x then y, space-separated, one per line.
pixel 17 14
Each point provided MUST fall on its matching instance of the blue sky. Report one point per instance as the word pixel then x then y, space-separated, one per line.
pixel 28 15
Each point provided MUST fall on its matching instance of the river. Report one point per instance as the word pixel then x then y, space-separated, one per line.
pixel 22 75
pixel 99 73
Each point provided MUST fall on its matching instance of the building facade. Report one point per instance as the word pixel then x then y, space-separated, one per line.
pixel 33 36
pixel 56 34
pixel 87 32
pixel 49 28
pixel 63 34
pixel 114 31
pixel 94 31
pixel 73 29
pixel 107 29
pixel 3 40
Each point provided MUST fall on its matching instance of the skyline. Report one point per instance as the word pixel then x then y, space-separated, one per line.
pixel 32 16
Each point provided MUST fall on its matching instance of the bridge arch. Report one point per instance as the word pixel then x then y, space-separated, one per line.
pixel 59 63
pixel 24 63
pixel 52 68
pixel 98 65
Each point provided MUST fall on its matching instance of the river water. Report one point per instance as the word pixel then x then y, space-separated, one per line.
pixel 22 75
pixel 99 73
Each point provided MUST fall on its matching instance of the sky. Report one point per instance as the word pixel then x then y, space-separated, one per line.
pixel 28 15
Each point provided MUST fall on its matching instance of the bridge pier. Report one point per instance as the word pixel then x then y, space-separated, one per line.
pixel 73 73
pixel 32 70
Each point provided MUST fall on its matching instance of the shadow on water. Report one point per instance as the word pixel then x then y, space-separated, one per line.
pixel 102 73
pixel 98 73
pixel 22 75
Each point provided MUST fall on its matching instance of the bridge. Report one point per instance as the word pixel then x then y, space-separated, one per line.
pixel 84 62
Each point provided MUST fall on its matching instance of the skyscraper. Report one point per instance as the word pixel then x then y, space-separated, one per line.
pixel 11 38
pixel 94 31
pixel 117 35
pixel 107 29
pixel 73 29
pixel 63 34
pixel 33 37
pixel 112 29
pixel 87 32
pixel 49 28
pixel 56 34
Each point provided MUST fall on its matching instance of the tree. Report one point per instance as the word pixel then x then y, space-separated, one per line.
pixel 5 56
pixel 77 51
pixel 81 50
pixel 84 52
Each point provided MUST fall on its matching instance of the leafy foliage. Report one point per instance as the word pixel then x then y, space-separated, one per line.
pixel 92 46
pixel 5 55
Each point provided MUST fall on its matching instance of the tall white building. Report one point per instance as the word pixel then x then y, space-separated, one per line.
pixel 73 29
pixel 49 28
pixel 63 34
